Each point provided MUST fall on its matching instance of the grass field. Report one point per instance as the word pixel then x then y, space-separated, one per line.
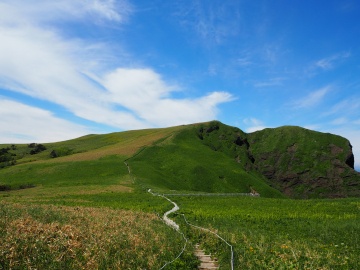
pixel 48 237
pixel 278 233
pixel 84 210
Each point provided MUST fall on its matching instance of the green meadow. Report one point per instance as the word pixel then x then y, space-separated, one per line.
pixel 83 210
pixel 278 233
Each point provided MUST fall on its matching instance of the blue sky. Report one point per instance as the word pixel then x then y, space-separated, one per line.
pixel 74 67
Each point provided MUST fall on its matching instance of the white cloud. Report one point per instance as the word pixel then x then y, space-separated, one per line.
pixel 329 62
pixel 40 11
pixel 313 127
pixel 312 99
pixel 255 128
pixel 45 67
pixel 349 106
pixel 271 82
pixel 209 20
pixel 357 122
pixel 37 61
pixel 340 121
pixel 253 124
pixel 21 123
pixel 245 58
pixel 326 63
pixel 144 92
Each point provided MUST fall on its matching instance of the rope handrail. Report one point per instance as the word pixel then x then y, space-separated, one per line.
pixel 172 224
pixel 182 251
pixel 205 229
pixel 175 226
pixel 209 194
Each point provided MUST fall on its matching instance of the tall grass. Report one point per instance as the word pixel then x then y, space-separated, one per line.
pixel 47 237
pixel 278 233
pixel 87 212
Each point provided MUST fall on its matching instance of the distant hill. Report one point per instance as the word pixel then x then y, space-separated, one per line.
pixel 206 157
pixel 300 163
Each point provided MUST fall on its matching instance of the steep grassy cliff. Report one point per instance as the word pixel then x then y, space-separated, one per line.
pixel 300 163
pixel 304 163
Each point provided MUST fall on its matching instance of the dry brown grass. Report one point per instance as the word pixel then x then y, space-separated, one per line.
pixel 81 238
pixel 126 147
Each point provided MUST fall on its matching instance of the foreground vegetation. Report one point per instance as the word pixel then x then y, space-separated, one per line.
pixel 74 205
pixel 48 237
pixel 278 233
pixel 265 233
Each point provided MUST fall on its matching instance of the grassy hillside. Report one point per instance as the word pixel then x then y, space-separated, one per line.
pixel 89 160
pixel 304 163
pixel 82 209
pixel 206 157
pixel 300 163
pixel 185 163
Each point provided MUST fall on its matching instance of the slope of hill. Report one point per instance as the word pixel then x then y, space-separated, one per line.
pixel 184 162
pixel 304 163
pixel 300 163
pixel 86 163
pixel 65 221
pixel 205 157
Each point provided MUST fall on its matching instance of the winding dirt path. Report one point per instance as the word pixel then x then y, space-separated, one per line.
pixel 206 261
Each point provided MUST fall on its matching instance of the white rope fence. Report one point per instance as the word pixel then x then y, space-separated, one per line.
pixel 167 220
pixel 171 224
pixel 128 167
pixel 182 251
pixel 176 227
pixel 204 229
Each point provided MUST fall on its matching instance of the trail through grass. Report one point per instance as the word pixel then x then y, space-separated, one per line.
pixel 85 211
pixel 278 233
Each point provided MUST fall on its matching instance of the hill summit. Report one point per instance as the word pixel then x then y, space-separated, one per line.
pixel 299 162
pixel 207 157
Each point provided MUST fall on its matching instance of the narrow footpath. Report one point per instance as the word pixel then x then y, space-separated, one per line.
pixel 207 262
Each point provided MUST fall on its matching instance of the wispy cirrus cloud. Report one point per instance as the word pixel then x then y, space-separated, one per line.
pixel 42 11
pixel 347 106
pixel 312 98
pixel 356 122
pixel 330 62
pixel 210 20
pixel 271 82
pixel 340 121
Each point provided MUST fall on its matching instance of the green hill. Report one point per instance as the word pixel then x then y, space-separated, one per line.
pixel 206 157
pixel 74 204
pixel 184 162
pixel 304 163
